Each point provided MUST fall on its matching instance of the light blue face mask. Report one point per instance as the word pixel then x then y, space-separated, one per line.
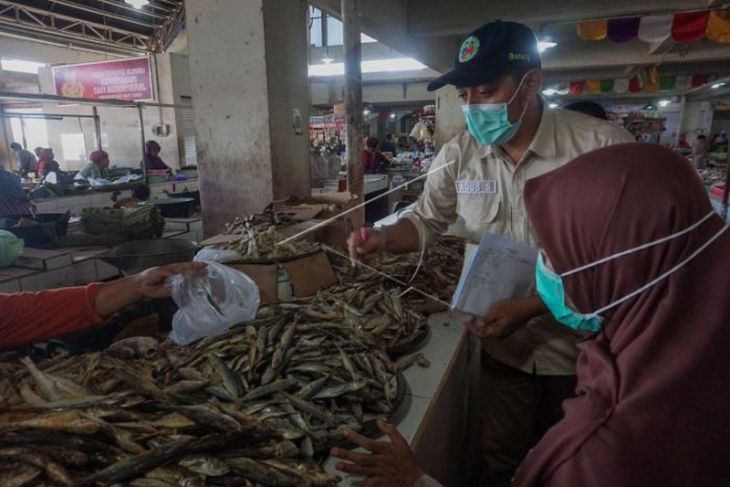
pixel 489 123
pixel 551 290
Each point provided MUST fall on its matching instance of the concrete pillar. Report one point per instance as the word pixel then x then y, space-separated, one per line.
pixel 250 89
pixel 449 117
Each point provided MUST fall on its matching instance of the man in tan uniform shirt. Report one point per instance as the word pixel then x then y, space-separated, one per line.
pixel 528 360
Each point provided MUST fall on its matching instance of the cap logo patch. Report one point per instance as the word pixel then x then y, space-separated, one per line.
pixel 519 57
pixel 469 49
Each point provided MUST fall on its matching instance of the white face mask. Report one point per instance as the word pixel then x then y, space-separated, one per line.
pixel 593 318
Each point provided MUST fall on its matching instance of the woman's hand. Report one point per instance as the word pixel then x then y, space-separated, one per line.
pixel 389 464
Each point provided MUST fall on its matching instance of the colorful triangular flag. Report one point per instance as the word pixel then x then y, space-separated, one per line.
pixel 690 26
pixel 621 85
pixel 684 82
pixel 655 28
pixel 623 29
pixel 606 85
pixel 699 80
pixel 718 26
pixel 667 82
pixel 634 84
pixel 592 30
pixel 576 88
pixel 593 86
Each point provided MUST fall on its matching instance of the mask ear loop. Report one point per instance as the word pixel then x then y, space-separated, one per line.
pixel 519 87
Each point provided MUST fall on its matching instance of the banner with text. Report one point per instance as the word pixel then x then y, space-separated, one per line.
pixel 120 79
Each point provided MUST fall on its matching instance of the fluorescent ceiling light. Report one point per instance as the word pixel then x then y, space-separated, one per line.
pixel 543 46
pixel 373 66
pixel 717 85
pixel 663 103
pixel 366 112
pixel 549 91
pixel 392 116
pixel 327 60
pixel 553 105
pixel 137 3
pixel 20 66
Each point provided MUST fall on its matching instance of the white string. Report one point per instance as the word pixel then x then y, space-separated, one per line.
pixel 329 220
pixel 663 276
pixel 641 247
pixel 387 276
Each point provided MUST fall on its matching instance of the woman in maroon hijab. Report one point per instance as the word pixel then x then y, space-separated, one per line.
pixel 628 228
pixel 653 404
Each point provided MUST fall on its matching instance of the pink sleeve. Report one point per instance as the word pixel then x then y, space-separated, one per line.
pixel 34 316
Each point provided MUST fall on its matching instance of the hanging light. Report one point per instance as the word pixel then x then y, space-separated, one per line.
pixel 663 103
pixel 366 112
pixel 392 116
pixel 717 85
pixel 137 3
pixel 553 105
pixel 549 91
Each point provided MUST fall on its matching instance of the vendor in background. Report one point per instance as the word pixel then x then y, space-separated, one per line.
pixel 151 160
pixel 37 151
pixel 13 200
pixel 33 316
pixel 699 152
pixel 682 142
pixel 98 168
pixel 388 145
pixel 25 158
pixel 527 359
pixel 719 142
pixel 47 163
pixel 373 160
pixel 318 168
pixel 334 163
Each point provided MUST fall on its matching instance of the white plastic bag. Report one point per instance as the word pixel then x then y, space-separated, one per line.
pixel 212 254
pixel 211 301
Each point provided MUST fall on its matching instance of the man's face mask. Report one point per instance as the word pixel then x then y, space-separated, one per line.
pixel 551 290
pixel 489 123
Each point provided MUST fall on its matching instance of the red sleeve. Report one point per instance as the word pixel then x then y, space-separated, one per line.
pixel 30 317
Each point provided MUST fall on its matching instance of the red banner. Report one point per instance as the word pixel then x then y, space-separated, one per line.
pixel 122 79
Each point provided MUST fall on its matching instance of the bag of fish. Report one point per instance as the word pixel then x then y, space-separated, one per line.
pixel 211 301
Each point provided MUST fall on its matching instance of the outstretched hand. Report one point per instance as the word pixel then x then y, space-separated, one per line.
pixel 388 464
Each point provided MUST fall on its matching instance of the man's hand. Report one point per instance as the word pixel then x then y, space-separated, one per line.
pixel 151 283
pixel 360 250
pixel 506 317
pixel 387 465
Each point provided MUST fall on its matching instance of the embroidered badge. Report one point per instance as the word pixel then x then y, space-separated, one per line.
pixel 469 49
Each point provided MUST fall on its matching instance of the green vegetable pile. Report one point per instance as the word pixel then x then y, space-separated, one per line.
pixel 140 222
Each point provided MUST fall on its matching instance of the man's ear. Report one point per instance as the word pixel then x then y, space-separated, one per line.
pixel 533 83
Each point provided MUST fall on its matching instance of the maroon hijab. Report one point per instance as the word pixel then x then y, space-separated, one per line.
pixel 653 404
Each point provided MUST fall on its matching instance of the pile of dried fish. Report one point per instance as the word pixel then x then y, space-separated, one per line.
pixel 254 406
pixel 713 174
pixel 378 309
pixel 256 237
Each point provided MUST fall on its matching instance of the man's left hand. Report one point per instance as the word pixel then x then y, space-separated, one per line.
pixel 502 320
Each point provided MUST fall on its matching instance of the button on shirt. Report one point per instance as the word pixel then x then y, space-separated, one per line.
pixel 481 191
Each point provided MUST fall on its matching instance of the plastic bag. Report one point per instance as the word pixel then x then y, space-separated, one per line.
pixel 211 301
pixel 11 247
pixel 212 254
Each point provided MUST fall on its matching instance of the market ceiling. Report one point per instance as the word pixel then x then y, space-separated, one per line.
pixel 106 25
pixel 430 30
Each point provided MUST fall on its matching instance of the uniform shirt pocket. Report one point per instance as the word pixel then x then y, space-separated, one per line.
pixel 481 213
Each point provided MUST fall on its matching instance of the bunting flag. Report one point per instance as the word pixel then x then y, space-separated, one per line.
pixel 562 88
pixel 576 88
pixel 655 29
pixel 623 29
pixel 593 86
pixel 649 78
pixel 592 30
pixel 621 85
pixel 690 26
pixel 667 82
pixel 718 27
pixel 606 85
pixel 634 84
pixel 699 80
pixel 684 82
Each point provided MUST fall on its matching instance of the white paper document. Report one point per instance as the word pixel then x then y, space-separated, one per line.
pixel 498 269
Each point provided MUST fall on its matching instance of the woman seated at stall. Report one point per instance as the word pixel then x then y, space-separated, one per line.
pixel 634 256
pixel 13 200
pixel 151 160
pixel 373 160
pixel 97 168
pixel 34 316
pixel 47 165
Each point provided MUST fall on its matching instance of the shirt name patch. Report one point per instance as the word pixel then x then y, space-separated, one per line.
pixel 468 186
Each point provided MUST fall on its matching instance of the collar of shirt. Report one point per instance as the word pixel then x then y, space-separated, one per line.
pixel 543 144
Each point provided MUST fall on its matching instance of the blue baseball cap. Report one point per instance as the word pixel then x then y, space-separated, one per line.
pixel 489 52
